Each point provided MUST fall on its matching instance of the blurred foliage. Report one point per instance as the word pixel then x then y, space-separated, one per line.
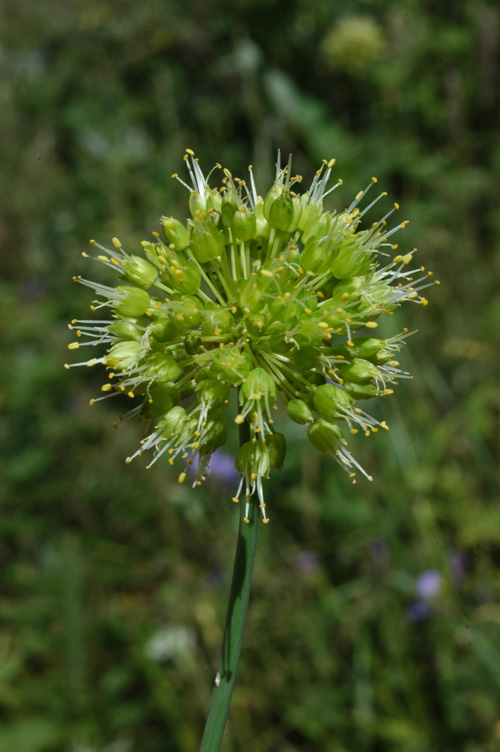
pixel 114 580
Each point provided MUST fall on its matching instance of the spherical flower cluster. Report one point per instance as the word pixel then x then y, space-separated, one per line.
pixel 260 295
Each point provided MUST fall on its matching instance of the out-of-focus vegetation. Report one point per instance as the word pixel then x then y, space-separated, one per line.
pixel 375 619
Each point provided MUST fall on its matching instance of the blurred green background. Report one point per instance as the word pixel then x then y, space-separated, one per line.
pixel 375 618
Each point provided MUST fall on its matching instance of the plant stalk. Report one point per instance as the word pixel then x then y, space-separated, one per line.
pixel 235 624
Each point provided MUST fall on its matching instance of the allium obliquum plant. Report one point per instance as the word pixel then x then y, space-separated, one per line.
pixel 272 296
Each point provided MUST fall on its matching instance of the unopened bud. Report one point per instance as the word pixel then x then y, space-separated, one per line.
pixel 125 329
pixel 329 401
pixel 255 323
pixel 311 211
pixel 228 208
pixel 276 443
pixel 207 242
pixel 359 371
pixel 175 233
pixel 165 330
pixel 299 412
pixel 244 224
pixel 361 391
pixel 133 302
pixel 317 228
pixel 215 321
pixel 214 433
pixel 348 263
pixel 123 355
pixel 162 368
pixel 316 257
pixel 259 384
pixel 253 461
pixel 212 393
pixel 281 212
pixel 140 272
pixel 231 365
pixel 174 424
pixel 325 436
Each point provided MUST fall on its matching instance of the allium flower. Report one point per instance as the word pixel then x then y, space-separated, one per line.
pixel 260 295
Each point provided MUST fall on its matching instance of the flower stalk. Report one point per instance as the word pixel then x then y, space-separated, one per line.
pixel 235 623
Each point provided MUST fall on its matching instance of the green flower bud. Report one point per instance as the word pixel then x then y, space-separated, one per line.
pixel 316 257
pixel 185 278
pixel 244 224
pixel 367 347
pixel 192 344
pixel 123 355
pixel 187 309
pixel 175 424
pixel 361 391
pixel 255 323
pixel 325 436
pixel 210 200
pixel 382 357
pixel 292 253
pixel 299 412
pixel 213 199
pixel 188 388
pixel 258 384
pixel 276 443
pixel 214 433
pixel 125 329
pixel 329 401
pixel 175 233
pixel 311 334
pixel 274 193
pixel 161 368
pixel 297 213
pixel 231 365
pixel 281 212
pixel 318 228
pixel 359 371
pixel 253 461
pixel 207 242
pixel 165 330
pixel 155 254
pixel 228 208
pixel 216 322
pixel 263 229
pixel 132 303
pixel 250 294
pixel 350 261
pixel 311 211
pixel 140 271
pixel 212 393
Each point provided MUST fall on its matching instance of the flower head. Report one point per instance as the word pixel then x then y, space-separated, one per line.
pixel 274 297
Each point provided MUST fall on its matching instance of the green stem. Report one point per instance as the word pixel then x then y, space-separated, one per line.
pixel 235 624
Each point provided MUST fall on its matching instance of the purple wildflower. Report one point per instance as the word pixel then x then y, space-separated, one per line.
pixel 221 467
pixel 428 584
pixel 418 611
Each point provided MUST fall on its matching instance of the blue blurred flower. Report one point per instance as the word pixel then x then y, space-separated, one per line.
pixel 221 467
pixel 418 611
pixel 428 584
